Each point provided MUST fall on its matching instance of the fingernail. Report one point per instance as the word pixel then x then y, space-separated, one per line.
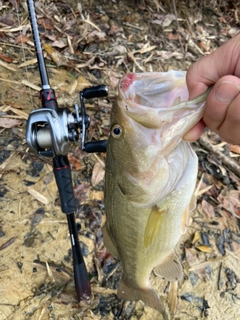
pixel 227 91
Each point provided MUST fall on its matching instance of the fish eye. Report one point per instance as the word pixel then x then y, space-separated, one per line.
pixel 116 131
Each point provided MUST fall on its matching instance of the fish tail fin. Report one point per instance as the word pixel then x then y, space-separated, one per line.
pixel 147 295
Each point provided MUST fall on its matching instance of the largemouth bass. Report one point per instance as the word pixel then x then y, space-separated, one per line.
pixel 150 179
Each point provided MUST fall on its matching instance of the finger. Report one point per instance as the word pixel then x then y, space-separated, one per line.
pixel 207 70
pixel 219 102
pixel 229 130
pixel 195 132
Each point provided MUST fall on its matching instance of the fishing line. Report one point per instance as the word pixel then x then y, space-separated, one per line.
pixel 24 56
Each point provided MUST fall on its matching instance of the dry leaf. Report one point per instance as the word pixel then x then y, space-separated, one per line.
pixel 6 58
pixel 37 195
pixel 9 123
pixel 234 148
pixel 59 44
pixel 208 209
pixel 74 162
pixel 191 257
pixel 56 56
pixel 5 65
pixel 97 174
pixel 82 83
pixel 202 46
pixel 164 20
pixel 96 195
pixel 206 249
pixel 173 36
pixel 231 202
pixel 196 237
pixel 22 39
pixel 46 23
pixel 81 192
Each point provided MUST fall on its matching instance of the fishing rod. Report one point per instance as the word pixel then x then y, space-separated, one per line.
pixel 50 132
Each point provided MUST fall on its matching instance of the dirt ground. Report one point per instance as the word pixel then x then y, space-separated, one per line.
pixel 96 42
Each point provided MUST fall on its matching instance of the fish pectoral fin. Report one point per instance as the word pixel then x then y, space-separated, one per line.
pixel 170 269
pixel 186 214
pixel 153 226
pixel 185 220
pixel 136 194
pixel 147 295
pixel 108 242
pixel 193 203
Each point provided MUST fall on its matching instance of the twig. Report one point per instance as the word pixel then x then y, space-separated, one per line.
pixel 229 163
pixel 180 41
pixel 132 26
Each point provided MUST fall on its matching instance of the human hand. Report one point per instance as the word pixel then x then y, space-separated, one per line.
pixel 222 110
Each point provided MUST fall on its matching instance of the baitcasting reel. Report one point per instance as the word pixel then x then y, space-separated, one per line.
pixel 51 130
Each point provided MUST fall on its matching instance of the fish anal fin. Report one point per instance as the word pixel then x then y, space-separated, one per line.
pixel 153 226
pixel 147 295
pixel 108 242
pixel 170 269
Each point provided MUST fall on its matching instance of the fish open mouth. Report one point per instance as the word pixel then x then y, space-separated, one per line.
pixel 160 99
pixel 154 89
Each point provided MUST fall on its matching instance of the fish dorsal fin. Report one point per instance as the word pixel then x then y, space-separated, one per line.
pixel 170 269
pixel 153 226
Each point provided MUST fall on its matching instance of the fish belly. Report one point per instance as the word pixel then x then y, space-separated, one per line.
pixel 126 226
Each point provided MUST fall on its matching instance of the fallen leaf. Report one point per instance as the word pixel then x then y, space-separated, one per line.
pixel 12 104
pixel 231 202
pixel 15 3
pixel 9 123
pixel 96 195
pixel 97 174
pixel 208 209
pixel 46 23
pixel 57 57
pixel 202 45
pixel 81 192
pixel 7 243
pixel 37 195
pixel 191 257
pixel 196 237
pixel 82 83
pixel 164 20
pixel 75 162
pixel 234 148
pixel 173 36
pixel 59 44
pixel 22 39
pixel 6 58
pixel 113 30
pixel 206 249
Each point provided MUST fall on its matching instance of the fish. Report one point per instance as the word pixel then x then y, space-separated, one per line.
pixel 150 179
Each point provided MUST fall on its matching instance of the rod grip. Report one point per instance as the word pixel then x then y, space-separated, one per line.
pixel 95 92
pixel 96 146
pixel 62 173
